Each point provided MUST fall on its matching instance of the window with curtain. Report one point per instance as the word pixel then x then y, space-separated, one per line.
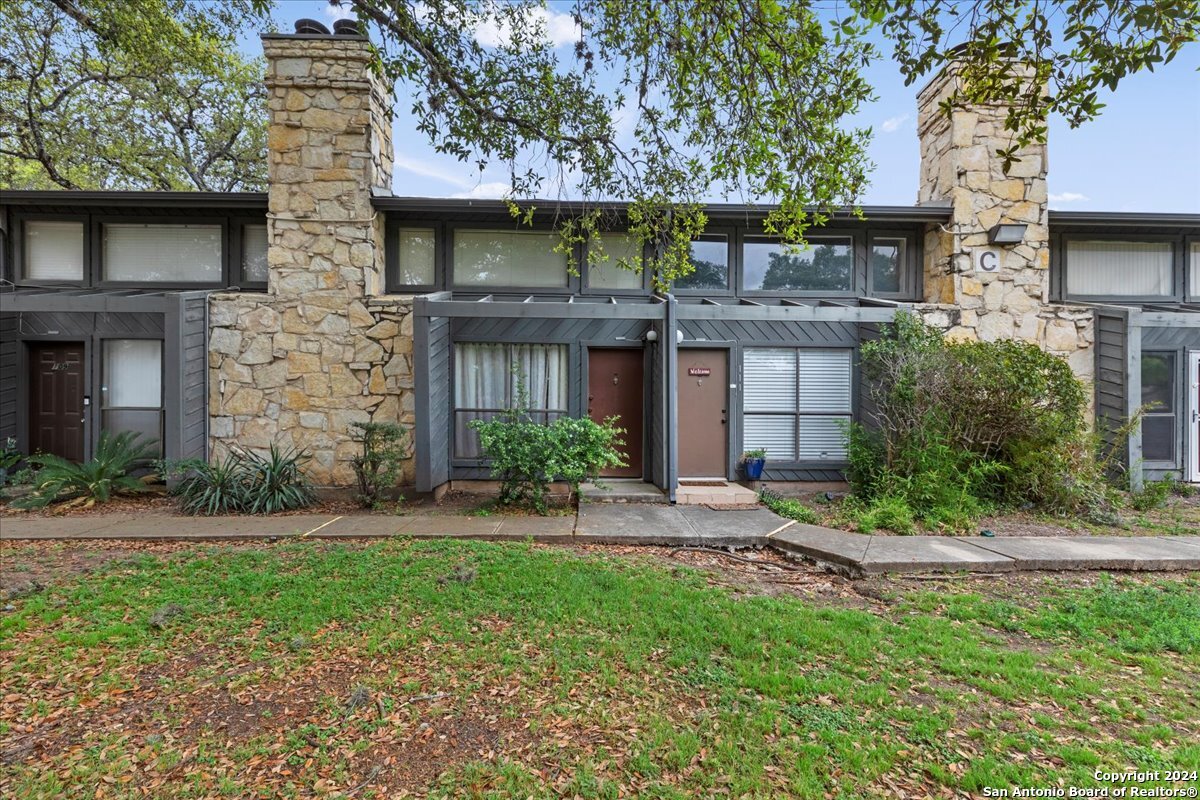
pixel 131 392
pixel 1119 269
pixel 491 378
pixel 1158 397
pixel 157 253
pixel 507 258
pixel 795 402
pixel 710 264
pixel 415 248
pixel 824 265
pixel 607 272
pixel 254 253
pixel 887 265
pixel 53 251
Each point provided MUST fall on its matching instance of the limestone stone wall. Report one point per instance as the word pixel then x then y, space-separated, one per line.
pixel 321 349
pixel 959 166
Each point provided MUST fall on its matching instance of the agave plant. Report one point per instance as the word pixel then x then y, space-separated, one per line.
pixel 94 481
pixel 208 489
pixel 244 483
pixel 277 481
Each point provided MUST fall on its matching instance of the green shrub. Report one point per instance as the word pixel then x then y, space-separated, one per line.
pixel 377 468
pixel 1153 495
pixel 93 481
pixel 960 429
pixel 244 483
pixel 527 455
pixel 788 507
pixel 890 512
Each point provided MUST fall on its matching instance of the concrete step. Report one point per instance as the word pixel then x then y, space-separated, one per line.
pixel 621 490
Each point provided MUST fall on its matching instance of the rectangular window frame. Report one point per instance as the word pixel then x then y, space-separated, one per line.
pixel 1188 243
pixel 909 272
pixel 573 357
pixel 102 387
pixel 851 415
pixel 756 236
pixel 1177 262
pixel 18 251
pixel 1174 414
pixel 391 254
pixel 237 236
pixel 732 239
pixel 99 221
pixel 586 277
pixel 451 230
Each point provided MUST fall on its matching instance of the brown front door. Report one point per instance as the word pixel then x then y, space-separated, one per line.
pixel 56 399
pixel 703 432
pixel 615 390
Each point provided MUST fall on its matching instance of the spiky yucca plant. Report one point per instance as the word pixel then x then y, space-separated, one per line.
pixel 93 481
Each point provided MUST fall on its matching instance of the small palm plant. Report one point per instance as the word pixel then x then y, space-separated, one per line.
pixel 94 481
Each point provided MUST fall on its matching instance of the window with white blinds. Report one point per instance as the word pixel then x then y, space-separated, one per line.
pixel 53 250
pixel 254 253
pixel 795 402
pixel 607 272
pixel 507 258
pixel 1104 268
pixel 155 253
pixel 131 393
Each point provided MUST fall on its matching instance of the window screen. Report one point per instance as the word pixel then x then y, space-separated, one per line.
pixel 504 258
pixel 254 253
pixel 795 403
pixel 825 265
pixel 887 265
pixel 607 273
pixel 1158 398
pixel 132 388
pixel 54 251
pixel 710 262
pixel 1119 269
pixel 162 253
pixel 1194 270
pixel 416 248
pixel 491 378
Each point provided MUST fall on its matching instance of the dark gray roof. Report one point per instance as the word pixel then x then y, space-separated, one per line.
pixel 126 199
pixel 1123 218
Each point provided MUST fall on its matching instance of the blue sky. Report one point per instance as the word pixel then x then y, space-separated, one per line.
pixel 1142 154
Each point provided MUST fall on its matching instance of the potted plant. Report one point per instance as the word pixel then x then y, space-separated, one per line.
pixel 752 463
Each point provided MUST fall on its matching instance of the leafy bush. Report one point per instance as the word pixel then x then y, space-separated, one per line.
pixel 1153 495
pixel 93 481
pixel 962 428
pixel 378 467
pixel 527 455
pixel 244 483
pixel 10 456
pixel 788 507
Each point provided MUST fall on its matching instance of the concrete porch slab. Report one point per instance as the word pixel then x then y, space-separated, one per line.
pixel 823 544
pixel 1095 552
pixel 930 554
pixel 621 490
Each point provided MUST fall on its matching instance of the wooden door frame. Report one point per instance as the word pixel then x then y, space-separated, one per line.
pixel 585 345
pixel 730 349
pixel 24 364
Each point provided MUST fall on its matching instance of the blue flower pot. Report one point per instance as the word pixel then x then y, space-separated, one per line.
pixel 754 468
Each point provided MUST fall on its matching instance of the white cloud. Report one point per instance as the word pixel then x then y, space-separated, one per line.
pixel 1068 197
pixel 338 11
pixel 427 170
pixel 893 124
pixel 558 27
pixel 493 190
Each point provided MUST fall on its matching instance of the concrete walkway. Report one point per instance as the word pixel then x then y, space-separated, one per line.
pixel 656 524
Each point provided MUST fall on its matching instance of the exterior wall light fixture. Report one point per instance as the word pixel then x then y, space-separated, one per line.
pixel 1007 233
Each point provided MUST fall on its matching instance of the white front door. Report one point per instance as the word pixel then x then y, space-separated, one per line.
pixel 1192 468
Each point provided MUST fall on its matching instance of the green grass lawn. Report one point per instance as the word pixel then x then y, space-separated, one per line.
pixel 421 668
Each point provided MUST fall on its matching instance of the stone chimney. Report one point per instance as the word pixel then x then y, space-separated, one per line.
pixel 975 289
pixel 321 350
